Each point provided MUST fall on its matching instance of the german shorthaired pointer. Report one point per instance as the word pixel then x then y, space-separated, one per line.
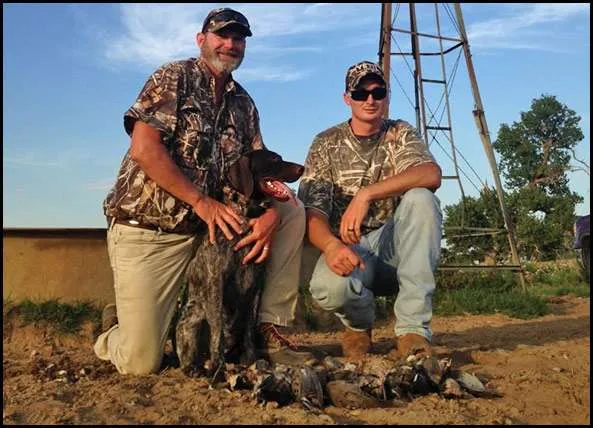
pixel 219 309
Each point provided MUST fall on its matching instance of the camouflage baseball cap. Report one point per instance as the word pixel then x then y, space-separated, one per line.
pixel 360 70
pixel 222 17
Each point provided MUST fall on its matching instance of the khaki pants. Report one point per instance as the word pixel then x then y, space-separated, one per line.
pixel 149 271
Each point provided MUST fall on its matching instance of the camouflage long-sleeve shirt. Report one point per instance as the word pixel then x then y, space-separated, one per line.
pixel 339 164
pixel 178 100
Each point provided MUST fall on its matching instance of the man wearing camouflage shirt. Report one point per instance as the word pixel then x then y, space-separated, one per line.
pixel 368 190
pixel 190 121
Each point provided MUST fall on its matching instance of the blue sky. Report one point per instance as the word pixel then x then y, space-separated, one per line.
pixel 70 71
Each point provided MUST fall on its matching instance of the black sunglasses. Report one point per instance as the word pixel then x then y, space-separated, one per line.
pixel 362 94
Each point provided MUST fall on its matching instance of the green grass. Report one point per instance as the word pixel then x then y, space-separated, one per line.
pixel 491 292
pixel 579 290
pixel 501 280
pixel 308 313
pixel 66 318
pixel 7 306
pixel 551 280
pixel 488 292
pixel 513 303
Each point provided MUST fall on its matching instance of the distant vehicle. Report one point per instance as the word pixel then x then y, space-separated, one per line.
pixel 581 243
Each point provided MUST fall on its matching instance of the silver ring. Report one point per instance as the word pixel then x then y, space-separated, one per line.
pixel 266 247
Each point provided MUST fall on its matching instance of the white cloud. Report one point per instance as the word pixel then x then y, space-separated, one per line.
pixel 527 26
pixel 273 20
pixel 155 34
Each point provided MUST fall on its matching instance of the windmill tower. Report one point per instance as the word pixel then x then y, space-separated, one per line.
pixel 423 49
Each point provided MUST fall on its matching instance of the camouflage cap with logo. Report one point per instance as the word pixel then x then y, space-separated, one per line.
pixel 360 70
pixel 219 18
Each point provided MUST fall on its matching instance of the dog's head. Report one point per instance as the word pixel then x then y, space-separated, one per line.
pixel 262 173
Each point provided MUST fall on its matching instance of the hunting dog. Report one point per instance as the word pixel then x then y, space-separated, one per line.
pixel 220 307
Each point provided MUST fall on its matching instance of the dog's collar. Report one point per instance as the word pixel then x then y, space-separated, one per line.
pixel 245 206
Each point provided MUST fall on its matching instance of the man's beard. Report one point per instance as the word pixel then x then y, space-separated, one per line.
pixel 219 65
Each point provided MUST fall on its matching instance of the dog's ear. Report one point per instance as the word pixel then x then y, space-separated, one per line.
pixel 241 177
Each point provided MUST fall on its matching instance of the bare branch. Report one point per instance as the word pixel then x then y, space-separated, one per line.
pixel 586 168
pixel 577 168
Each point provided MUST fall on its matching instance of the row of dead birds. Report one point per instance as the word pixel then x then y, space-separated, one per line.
pixel 367 384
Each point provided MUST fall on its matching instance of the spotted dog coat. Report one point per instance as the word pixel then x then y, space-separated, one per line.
pixel 221 303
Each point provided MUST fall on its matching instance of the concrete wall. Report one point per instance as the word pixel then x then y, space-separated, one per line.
pixel 71 265
pixel 67 264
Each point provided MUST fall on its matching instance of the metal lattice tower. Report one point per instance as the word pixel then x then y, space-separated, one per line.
pixel 427 52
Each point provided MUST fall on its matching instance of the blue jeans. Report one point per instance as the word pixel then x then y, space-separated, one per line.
pixel 401 258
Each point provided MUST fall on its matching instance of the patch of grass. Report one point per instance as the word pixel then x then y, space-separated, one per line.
pixel 579 290
pixel 310 319
pixel 64 317
pixel 485 292
pixel 558 277
pixel 486 279
pixel 470 300
pixel 477 292
pixel 7 306
pixel 554 280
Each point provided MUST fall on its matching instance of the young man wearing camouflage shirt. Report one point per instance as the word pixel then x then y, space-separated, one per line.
pixel 368 190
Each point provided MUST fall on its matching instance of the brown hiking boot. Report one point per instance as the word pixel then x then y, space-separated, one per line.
pixel 411 344
pixel 356 344
pixel 108 317
pixel 278 349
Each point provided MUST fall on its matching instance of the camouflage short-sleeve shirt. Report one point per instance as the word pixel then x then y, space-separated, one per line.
pixel 339 164
pixel 178 100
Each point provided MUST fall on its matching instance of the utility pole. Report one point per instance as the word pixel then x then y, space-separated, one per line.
pixel 429 124
pixel 482 126
pixel 385 46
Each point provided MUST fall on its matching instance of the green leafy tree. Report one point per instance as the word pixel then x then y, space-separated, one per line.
pixel 535 155
pixel 542 222
pixel 536 152
pixel 467 246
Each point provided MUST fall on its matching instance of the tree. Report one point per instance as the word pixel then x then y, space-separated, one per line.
pixel 536 151
pixel 481 212
pixel 535 155
pixel 542 222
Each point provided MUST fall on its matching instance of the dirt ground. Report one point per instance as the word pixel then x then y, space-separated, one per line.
pixel 540 367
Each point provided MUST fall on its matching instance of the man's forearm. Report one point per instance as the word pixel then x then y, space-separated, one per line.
pixel 426 175
pixel 152 156
pixel 318 230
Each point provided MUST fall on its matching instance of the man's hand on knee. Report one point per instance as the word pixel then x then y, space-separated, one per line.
pixel 341 259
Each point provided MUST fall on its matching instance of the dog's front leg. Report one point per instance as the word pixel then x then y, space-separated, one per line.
pixel 252 296
pixel 216 321
pixel 249 344
pixel 187 335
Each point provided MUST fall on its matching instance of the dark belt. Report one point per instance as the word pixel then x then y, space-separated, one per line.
pixel 133 223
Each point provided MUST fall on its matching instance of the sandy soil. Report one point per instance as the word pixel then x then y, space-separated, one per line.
pixel 540 367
